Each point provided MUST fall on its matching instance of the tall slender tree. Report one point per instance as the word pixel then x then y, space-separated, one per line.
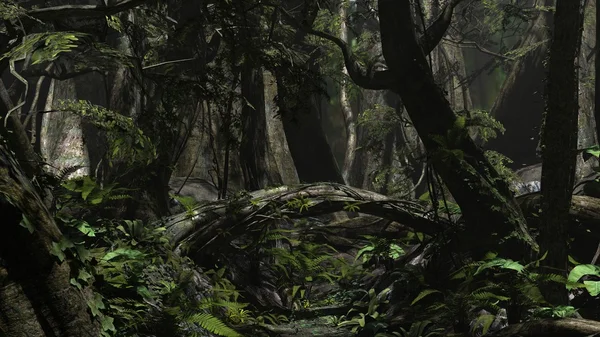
pixel 559 140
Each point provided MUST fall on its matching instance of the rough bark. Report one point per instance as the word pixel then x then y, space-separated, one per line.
pixel 586 71
pixel 352 170
pixel 484 195
pixel 206 223
pixel 551 328
pixel 280 154
pixel 298 99
pixel 583 223
pixel 597 72
pixel 559 141
pixel 17 316
pixel 520 103
pixel 474 183
pixel 60 308
pixel 254 147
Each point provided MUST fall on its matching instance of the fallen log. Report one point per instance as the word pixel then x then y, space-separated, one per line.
pixel 566 327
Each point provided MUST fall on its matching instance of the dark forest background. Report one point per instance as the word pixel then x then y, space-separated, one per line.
pixel 299 167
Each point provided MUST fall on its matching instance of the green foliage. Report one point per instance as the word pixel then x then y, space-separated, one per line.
pixel 10 10
pixel 555 312
pixel 372 320
pixel 521 52
pixel 188 203
pixel 379 121
pixel 86 189
pixel 140 285
pixel 593 150
pixel 49 46
pixel 492 283
pixel 583 271
pixel 484 125
pixel 301 203
pixel 127 142
pixel 499 161
pixel 115 23
pixel 379 248
pixel 212 324
pixel 419 329
pixel 445 207
pixel 46 47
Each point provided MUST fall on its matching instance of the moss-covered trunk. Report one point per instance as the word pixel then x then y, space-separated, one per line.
pixel 36 297
pixel 485 199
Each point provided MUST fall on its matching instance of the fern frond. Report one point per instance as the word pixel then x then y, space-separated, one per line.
pixel 213 324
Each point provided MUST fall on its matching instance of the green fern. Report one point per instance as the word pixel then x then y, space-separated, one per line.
pixel 212 324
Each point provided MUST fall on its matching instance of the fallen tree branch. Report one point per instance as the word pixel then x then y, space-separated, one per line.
pixel 570 327
pixel 201 226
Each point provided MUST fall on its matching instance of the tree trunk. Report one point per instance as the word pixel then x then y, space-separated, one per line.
pixel 298 99
pixel 520 103
pixel 597 72
pixel 31 273
pixel 353 170
pixel 474 183
pixel 254 147
pixel 559 142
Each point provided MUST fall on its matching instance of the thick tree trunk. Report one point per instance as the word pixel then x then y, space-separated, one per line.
pixel 254 147
pixel 520 103
pixel 559 141
pixel 298 99
pixel 483 195
pixel 474 183
pixel 597 71
pixel 280 153
pixel 31 272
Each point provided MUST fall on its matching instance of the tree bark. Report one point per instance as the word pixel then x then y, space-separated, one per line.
pixel 474 183
pixel 254 147
pixel 551 328
pixel 297 99
pixel 352 169
pixel 559 142
pixel 520 103
pixel 597 72
pixel 60 308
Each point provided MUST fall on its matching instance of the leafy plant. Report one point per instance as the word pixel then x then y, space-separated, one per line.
pixel 583 271
pixel 127 142
pixel 379 248
pixel 555 312
pixel 372 319
pixel 419 329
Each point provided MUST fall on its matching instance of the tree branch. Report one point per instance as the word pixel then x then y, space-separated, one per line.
pixel 80 11
pixel 434 33
pixel 473 44
pixel 378 80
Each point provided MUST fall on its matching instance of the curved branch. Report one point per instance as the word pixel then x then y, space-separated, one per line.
pixel 378 80
pixel 434 33
pixel 204 224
